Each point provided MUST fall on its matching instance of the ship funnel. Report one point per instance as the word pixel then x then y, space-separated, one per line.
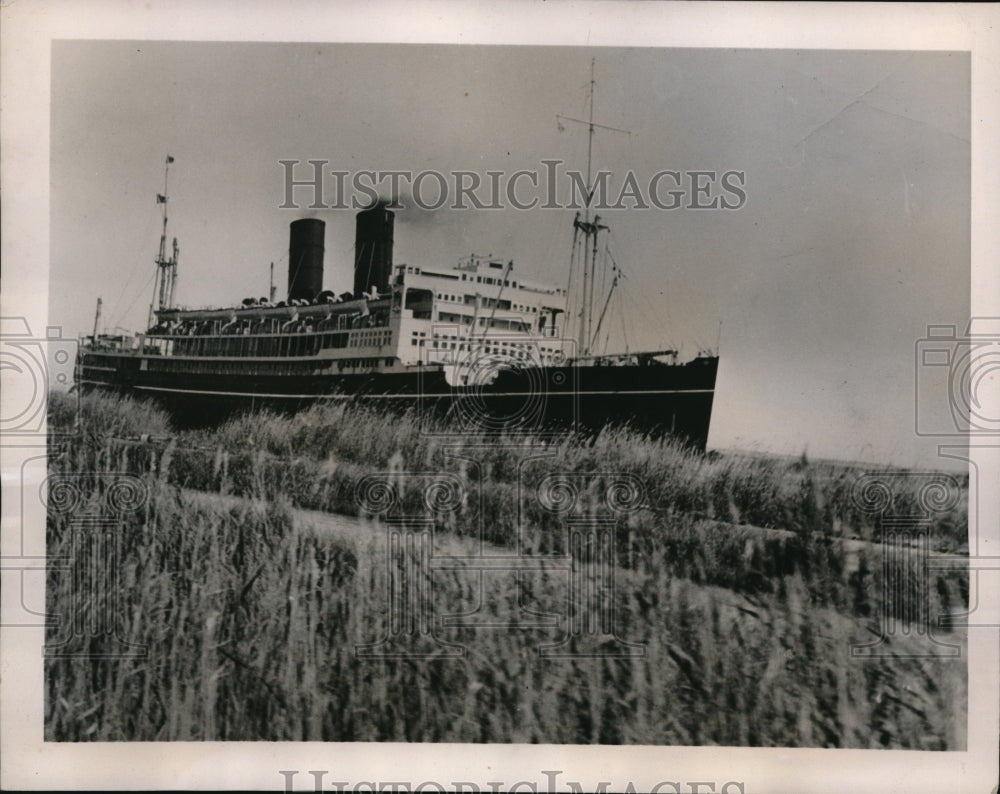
pixel 305 259
pixel 373 250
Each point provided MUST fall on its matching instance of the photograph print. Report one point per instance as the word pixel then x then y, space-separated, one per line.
pixel 571 395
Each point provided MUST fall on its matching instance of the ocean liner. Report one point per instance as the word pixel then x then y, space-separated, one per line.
pixel 496 351
pixel 477 342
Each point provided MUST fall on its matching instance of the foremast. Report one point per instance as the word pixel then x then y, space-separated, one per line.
pixel 166 269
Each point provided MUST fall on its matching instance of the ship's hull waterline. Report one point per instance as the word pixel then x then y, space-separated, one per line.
pixel 657 398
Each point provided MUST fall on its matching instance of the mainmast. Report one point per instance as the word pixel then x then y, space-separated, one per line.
pixel 590 229
pixel 590 143
pixel 166 269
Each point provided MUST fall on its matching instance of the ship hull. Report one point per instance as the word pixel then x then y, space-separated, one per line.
pixel 655 398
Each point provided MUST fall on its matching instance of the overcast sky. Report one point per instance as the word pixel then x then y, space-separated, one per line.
pixel 853 238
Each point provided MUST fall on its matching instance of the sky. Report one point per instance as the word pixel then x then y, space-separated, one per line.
pixel 854 236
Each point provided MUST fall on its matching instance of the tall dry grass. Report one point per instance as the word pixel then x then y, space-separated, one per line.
pixel 250 620
pixel 316 456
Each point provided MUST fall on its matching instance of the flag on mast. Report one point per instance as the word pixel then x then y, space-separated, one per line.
pixel 170 159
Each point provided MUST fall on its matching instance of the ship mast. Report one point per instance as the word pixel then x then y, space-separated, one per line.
pixel 590 229
pixel 97 318
pixel 166 269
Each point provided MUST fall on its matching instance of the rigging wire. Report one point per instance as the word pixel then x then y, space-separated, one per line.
pixel 132 271
pixel 621 306
pixel 142 289
pixel 642 309
pixel 570 303
pixel 604 265
pixel 607 335
pixel 653 316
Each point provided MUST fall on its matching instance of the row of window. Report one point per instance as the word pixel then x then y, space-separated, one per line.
pixel 484 280
pixel 258 346
pixel 513 349
pixel 363 363
pixel 502 324
pixel 247 368
pixel 278 346
pixel 487 303
pixel 258 368
pixel 466 277
pixel 370 339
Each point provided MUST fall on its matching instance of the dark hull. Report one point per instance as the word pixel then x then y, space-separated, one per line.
pixel 655 398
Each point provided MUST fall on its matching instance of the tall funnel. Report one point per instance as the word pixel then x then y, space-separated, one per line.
pixel 305 258
pixel 373 250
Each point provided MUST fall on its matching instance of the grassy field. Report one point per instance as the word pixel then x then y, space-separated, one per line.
pixel 744 581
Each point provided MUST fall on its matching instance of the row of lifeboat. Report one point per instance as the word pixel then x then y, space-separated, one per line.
pixel 325 297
